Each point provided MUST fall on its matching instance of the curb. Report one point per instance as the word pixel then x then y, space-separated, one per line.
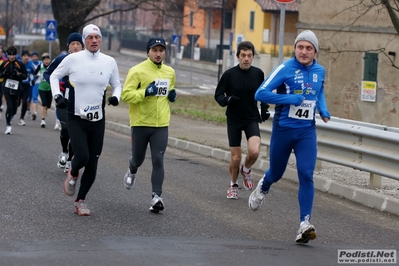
pixel 360 196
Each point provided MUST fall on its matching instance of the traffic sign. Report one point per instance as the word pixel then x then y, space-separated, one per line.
pixel 176 40
pixel 51 30
pixel 284 1
pixel 193 38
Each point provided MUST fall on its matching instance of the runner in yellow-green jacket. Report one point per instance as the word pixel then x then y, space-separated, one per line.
pixel 149 87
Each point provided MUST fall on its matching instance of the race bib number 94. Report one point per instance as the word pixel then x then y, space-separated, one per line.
pixel 163 86
pixel 305 111
pixel 91 112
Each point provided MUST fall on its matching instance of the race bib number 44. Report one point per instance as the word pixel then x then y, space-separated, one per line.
pixel 91 112
pixel 305 111
pixel 163 86
pixel 12 84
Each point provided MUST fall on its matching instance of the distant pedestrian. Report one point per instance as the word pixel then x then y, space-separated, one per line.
pixel 33 63
pixel 236 90
pixel 90 72
pixel 13 72
pixel 148 89
pixel 299 85
pixel 44 87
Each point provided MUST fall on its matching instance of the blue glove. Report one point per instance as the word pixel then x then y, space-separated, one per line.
pixel 172 96
pixel 151 90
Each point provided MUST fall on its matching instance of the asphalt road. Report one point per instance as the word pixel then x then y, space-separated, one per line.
pixel 199 225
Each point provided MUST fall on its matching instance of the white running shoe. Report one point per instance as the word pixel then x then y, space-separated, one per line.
pixel 247 176
pixel 43 124
pixel 21 122
pixel 57 125
pixel 62 159
pixel 257 196
pixel 306 232
pixel 81 208
pixel 156 203
pixel 232 192
pixel 67 166
pixel 8 130
pixel 129 179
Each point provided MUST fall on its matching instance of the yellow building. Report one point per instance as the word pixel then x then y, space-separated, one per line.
pixel 258 21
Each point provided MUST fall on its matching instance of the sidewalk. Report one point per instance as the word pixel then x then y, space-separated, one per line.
pixel 209 139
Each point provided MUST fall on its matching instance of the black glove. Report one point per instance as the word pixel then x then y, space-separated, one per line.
pixel 60 101
pixel 151 90
pixel 231 100
pixel 32 83
pixel 113 100
pixel 264 112
pixel 172 96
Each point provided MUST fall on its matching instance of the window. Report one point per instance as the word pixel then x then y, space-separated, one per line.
pixel 191 18
pixel 228 20
pixel 370 66
pixel 252 20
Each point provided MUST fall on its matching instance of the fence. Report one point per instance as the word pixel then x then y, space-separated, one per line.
pixel 367 147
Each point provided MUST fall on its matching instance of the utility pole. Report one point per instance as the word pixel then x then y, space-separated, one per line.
pixel 220 61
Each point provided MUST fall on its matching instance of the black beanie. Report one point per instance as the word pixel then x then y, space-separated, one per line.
pixel 75 37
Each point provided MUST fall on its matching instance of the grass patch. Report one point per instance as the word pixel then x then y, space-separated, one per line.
pixel 203 107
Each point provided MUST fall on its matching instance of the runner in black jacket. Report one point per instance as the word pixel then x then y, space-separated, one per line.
pixel 236 90
pixel 13 72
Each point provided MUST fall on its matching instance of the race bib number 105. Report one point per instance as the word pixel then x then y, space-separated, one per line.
pixel 305 111
pixel 92 112
pixel 163 86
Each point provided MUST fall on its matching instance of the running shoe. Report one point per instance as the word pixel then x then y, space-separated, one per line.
pixel 34 116
pixel 70 184
pixel 67 166
pixel 21 122
pixel 57 125
pixel 257 196
pixel 8 130
pixel 129 179
pixel 43 124
pixel 81 208
pixel 232 192
pixel 156 203
pixel 62 159
pixel 306 232
pixel 248 182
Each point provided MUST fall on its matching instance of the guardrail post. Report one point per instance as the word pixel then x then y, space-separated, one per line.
pixel 319 165
pixel 375 181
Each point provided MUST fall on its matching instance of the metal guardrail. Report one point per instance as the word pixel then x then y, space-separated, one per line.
pixel 362 146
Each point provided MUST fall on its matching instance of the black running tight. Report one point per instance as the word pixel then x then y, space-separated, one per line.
pixel 87 142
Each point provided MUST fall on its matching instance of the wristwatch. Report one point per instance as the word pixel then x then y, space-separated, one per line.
pixel 57 96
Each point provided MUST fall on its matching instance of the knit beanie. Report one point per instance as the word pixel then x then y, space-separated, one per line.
pixel 89 29
pixel 74 37
pixel 308 35
pixel 45 55
pixel 25 52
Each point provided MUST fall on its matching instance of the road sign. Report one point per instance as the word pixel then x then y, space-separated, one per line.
pixel 284 1
pixel 193 38
pixel 51 30
pixel 176 40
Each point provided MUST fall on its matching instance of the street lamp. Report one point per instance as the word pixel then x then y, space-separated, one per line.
pixel 221 42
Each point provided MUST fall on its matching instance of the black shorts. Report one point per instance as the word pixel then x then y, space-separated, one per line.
pixel 234 132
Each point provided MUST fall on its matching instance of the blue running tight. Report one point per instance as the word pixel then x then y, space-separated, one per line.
pixel 304 143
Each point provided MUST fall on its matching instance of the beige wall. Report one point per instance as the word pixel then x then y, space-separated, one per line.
pixel 343 41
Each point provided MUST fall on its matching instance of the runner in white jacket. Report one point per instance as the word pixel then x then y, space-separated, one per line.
pixel 90 72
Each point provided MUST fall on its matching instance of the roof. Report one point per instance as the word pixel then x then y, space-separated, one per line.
pixel 272 5
pixel 229 4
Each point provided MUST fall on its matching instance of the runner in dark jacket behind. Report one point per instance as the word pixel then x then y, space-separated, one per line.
pixel 74 44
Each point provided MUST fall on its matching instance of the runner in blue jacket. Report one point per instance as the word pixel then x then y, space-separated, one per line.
pixel 296 87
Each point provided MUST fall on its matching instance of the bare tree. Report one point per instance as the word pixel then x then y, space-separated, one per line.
pixel 71 15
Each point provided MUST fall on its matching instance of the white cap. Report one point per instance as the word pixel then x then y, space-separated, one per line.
pixel 90 29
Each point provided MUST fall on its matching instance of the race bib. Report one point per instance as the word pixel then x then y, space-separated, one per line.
pixel 12 84
pixel 304 111
pixel 163 86
pixel 91 112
